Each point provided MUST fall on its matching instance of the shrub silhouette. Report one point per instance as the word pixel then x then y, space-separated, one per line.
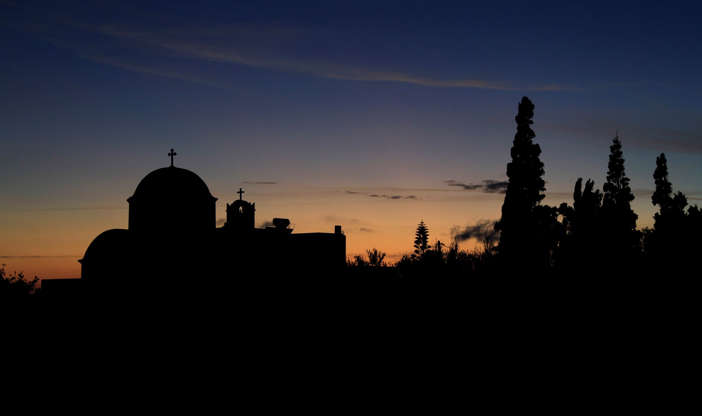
pixel 581 228
pixel 16 285
pixel 376 257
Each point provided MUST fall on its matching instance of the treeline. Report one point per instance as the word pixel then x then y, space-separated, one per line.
pixel 595 236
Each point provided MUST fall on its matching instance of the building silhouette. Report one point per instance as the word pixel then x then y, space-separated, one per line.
pixel 172 242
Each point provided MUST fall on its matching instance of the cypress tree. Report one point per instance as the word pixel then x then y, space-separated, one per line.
pixel 669 205
pixel 661 196
pixel 620 237
pixel 670 239
pixel 524 192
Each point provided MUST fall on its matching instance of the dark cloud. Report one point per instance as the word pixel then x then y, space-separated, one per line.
pixel 489 186
pixel 260 182
pixel 483 230
pixel 687 144
pixel 384 196
pixel 467 187
pixel 660 139
pixel 366 230
pixel 492 186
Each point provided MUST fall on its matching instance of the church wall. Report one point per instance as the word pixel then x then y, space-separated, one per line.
pixel 325 251
pixel 171 216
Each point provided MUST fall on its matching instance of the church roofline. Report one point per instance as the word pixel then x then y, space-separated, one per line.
pixel 131 198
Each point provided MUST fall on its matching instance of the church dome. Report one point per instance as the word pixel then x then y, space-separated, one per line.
pixel 172 181
pixel 173 201
pixel 108 256
pixel 110 242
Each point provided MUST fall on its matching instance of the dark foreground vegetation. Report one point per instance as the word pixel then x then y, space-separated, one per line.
pixel 594 240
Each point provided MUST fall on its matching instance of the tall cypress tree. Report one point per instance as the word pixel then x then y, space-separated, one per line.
pixel 620 237
pixel 524 192
pixel 670 206
pixel 662 195
pixel 670 239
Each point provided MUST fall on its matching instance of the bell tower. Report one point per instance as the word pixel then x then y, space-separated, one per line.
pixel 241 215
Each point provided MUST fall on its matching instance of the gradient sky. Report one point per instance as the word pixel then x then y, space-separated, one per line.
pixel 314 107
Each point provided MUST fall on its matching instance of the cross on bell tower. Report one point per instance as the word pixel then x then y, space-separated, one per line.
pixel 171 154
pixel 241 214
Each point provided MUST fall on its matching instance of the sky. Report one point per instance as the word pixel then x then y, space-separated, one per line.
pixel 365 114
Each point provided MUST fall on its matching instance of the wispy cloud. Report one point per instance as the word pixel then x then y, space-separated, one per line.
pixel 270 58
pixel 382 196
pixel 260 182
pixel 385 196
pixel 489 186
pixel 86 208
pixel 143 69
pixel 340 220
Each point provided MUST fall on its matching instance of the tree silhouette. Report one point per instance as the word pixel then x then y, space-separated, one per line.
pixel 524 192
pixel 582 228
pixel 671 207
pixel 620 237
pixel 375 257
pixel 439 247
pixel 693 228
pixel 421 239
pixel 668 242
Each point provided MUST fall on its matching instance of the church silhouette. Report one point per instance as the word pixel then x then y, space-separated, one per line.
pixel 173 243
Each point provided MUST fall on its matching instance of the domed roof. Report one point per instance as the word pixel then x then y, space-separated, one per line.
pixel 109 243
pixel 174 182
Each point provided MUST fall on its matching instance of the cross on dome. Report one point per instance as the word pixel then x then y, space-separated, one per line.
pixel 241 194
pixel 171 154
